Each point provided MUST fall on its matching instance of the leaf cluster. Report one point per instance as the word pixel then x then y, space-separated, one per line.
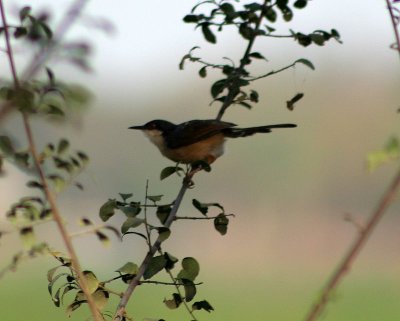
pixel 248 21
pixel 34 28
pixel 65 275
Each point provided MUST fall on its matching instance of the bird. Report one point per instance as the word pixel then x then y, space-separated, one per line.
pixel 197 140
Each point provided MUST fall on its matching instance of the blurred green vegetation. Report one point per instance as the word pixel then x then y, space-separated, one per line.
pixel 369 297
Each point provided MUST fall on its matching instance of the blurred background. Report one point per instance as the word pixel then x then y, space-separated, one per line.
pixel 290 190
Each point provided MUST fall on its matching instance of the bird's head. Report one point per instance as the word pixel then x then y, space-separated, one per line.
pixel 156 127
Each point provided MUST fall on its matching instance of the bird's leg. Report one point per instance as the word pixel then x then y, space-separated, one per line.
pixel 189 175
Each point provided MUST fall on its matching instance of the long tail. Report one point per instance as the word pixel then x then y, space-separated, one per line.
pixel 233 132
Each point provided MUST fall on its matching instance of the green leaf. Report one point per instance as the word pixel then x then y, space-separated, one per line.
pixel 270 14
pixel 58 182
pixel 318 39
pixel 24 13
pixel 218 87
pixel 50 287
pixel 83 157
pixel 63 145
pixel 107 210
pixel 22 159
pixel 91 281
pixel 128 268
pixel 27 236
pixel 254 96
pixel 156 264
pixel 221 223
pixel 131 222
pixel 24 99
pixel 103 238
pixel 257 55
pixel 305 62
pixel 50 273
pixel 244 104
pixel 335 34
pixel 190 289
pixel 100 298
pixel 54 110
pixel 390 153
pixel 163 212
pixel 168 171
pixel 155 198
pixel 6 146
pixel 34 184
pixel 191 18
pixel 175 302
pixel 227 8
pixel 47 31
pixel 47 152
pixel 202 207
pixel 163 233
pixel 20 32
pixel 125 197
pixel 171 260
pixel 207 33
pixel 287 14
pixel 74 305
pixel 190 269
pixel 203 72
pixel 131 210
pixel 202 305
pixel 300 4
pixel 290 103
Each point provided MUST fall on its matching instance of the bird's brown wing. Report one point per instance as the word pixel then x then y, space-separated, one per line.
pixel 194 131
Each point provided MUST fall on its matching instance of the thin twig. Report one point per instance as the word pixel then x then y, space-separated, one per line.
pixel 120 313
pixel 354 250
pixel 200 217
pixel 88 231
pixel 167 283
pixel 273 72
pixel 395 25
pixel 188 309
pixel 146 224
pixel 47 192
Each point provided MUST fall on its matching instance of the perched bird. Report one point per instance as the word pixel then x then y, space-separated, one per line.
pixel 197 140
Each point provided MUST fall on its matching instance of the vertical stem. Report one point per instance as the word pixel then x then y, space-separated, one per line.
pixel 394 23
pixel 47 192
pixel 355 249
pixel 233 90
pixel 8 46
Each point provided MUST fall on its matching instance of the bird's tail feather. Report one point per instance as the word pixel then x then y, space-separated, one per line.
pixel 243 132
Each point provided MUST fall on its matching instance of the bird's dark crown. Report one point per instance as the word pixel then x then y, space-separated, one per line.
pixel 157 124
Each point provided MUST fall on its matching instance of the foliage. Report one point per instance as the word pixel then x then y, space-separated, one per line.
pixel 57 166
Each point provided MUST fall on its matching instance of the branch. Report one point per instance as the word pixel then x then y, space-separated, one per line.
pixel 273 72
pixel 199 217
pixel 233 90
pixel 394 23
pixel 120 313
pixel 167 283
pixel 354 250
pixel 47 192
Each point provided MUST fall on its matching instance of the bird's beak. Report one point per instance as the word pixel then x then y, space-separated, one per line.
pixel 137 127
